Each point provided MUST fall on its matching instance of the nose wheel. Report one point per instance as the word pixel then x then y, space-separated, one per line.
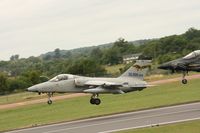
pixel 49 102
pixel 184 81
pixel 49 98
pixel 95 100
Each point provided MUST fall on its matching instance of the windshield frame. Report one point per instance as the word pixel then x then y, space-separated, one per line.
pixel 61 77
pixel 192 54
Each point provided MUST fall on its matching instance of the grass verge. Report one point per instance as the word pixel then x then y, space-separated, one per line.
pixel 184 127
pixel 78 108
pixel 21 97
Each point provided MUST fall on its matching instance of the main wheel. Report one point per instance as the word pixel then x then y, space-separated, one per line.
pixel 184 81
pixel 49 102
pixel 97 101
pixel 92 101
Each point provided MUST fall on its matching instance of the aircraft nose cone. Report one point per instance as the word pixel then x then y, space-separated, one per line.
pixel 166 66
pixel 32 89
pixel 160 67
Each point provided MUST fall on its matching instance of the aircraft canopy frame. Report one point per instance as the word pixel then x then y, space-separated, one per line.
pixel 61 77
pixel 192 54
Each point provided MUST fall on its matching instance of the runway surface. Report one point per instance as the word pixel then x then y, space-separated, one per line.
pixel 146 118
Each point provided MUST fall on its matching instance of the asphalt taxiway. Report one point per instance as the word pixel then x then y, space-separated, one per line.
pixel 131 120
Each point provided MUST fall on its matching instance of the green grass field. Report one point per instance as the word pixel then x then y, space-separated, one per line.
pixel 17 97
pixel 156 77
pixel 21 97
pixel 185 127
pixel 78 108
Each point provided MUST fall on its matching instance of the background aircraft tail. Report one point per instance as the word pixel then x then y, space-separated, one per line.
pixel 138 70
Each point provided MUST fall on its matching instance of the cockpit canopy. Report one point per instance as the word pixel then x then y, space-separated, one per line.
pixel 61 77
pixel 192 54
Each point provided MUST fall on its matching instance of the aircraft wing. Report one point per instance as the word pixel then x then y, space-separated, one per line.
pixel 105 84
pixel 103 87
pixel 100 89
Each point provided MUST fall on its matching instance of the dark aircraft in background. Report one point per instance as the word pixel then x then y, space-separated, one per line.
pixel 190 62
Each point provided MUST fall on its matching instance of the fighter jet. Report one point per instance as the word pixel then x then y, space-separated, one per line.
pixel 190 62
pixel 130 80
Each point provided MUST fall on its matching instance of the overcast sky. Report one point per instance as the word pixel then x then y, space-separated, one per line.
pixel 33 27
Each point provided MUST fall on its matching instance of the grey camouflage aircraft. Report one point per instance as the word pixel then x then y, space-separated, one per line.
pixel 190 62
pixel 131 80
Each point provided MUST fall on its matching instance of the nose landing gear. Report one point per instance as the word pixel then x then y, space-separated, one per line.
pixel 49 98
pixel 184 80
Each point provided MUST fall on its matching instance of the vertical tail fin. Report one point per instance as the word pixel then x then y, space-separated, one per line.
pixel 138 70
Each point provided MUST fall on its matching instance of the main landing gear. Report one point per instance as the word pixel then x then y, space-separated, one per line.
pixel 49 98
pixel 184 80
pixel 95 100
